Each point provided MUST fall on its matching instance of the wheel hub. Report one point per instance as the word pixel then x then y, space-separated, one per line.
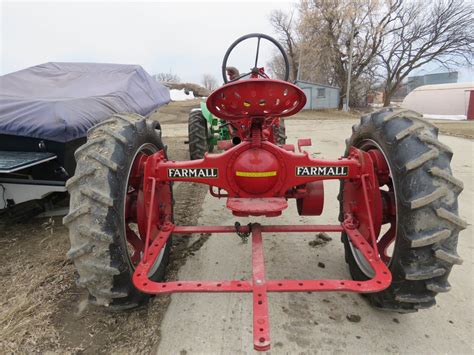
pixel 384 206
pixel 135 211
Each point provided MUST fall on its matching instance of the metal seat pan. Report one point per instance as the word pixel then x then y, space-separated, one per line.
pixel 253 98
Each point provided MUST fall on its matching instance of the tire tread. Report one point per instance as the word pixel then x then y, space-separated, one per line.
pixel 425 252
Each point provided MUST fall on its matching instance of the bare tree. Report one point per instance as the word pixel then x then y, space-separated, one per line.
pixel 426 31
pixel 209 81
pixel 167 78
pixel 284 26
pixel 327 27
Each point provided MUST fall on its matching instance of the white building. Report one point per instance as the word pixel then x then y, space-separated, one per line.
pixel 450 101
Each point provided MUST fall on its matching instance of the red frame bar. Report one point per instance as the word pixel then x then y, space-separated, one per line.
pixel 259 286
pixel 261 326
pixel 269 229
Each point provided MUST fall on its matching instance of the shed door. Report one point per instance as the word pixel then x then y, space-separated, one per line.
pixel 308 93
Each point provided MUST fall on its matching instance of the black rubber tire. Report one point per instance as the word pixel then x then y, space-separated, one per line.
pixel 198 135
pixel 428 223
pixel 280 133
pixel 95 220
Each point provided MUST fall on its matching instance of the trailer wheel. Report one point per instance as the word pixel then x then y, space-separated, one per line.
pixel 419 247
pixel 104 222
pixel 280 133
pixel 198 135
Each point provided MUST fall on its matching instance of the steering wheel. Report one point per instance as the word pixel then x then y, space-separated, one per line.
pixel 255 69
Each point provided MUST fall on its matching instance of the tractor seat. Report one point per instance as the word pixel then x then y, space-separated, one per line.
pixel 252 98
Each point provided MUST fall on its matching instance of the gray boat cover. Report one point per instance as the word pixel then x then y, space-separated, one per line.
pixel 61 101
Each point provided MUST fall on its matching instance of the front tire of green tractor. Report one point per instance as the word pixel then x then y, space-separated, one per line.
pixel 280 133
pixel 198 135
pixel 100 223
pixel 425 214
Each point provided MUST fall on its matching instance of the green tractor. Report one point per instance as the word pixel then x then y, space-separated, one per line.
pixel 205 131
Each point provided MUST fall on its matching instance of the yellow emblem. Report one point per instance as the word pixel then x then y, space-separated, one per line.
pixel 255 173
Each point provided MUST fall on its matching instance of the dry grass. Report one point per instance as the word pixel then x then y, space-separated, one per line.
pixel 30 288
pixel 464 129
pixel 178 112
pixel 175 111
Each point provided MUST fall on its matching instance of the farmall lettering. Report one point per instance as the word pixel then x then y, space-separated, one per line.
pixel 193 173
pixel 321 171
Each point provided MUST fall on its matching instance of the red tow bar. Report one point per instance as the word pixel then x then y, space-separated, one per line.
pixel 259 286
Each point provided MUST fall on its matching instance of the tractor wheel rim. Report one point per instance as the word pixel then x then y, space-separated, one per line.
pixel 133 239
pixel 362 263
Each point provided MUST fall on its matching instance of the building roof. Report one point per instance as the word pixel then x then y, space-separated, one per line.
pixel 317 84
pixel 466 86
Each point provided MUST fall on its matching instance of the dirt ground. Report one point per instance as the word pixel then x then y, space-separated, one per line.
pixel 177 112
pixel 43 311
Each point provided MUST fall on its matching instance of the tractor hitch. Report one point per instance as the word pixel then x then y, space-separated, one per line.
pixel 260 285
pixel 244 236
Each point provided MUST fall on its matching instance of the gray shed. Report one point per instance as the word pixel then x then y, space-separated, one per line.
pixel 319 96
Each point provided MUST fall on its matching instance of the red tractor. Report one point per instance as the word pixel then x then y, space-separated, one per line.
pixel 395 177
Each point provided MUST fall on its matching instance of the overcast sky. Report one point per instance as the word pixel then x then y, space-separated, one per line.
pixel 188 39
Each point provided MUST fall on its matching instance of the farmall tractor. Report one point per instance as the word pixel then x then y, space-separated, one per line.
pixel 395 177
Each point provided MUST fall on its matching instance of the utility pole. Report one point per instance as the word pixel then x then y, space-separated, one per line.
pixel 349 69
pixel 298 76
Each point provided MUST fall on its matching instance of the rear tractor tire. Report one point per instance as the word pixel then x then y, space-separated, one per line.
pixel 198 134
pixel 426 220
pixel 100 223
